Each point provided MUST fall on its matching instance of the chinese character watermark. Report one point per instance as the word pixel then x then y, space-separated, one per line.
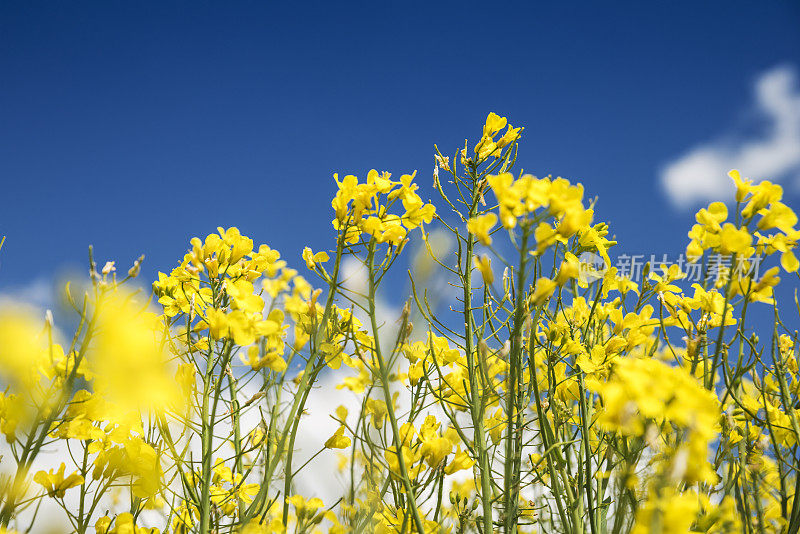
pixel 718 268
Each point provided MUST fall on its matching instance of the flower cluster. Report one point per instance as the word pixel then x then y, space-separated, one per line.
pixel 550 398
pixel 762 206
pixel 366 208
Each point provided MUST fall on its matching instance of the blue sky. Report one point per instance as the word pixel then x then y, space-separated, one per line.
pixel 135 126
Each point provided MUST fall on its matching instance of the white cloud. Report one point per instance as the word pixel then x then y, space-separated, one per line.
pixel 355 279
pixel 37 294
pixel 321 478
pixel 701 173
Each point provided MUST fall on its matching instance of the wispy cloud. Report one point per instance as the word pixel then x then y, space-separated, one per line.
pixel 701 173
pixel 37 294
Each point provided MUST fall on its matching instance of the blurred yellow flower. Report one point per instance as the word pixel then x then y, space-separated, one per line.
pixel 481 226
pixel 22 345
pixel 128 358
pixel 484 266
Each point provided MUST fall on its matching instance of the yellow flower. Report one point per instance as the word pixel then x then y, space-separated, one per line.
pixel 481 226
pixel 484 266
pixel 55 484
pixel 183 519
pixel 648 389
pixel 564 197
pixel 486 147
pixel 461 460
pixel 217 323
pixel 257 527
pixel 435 450
pixel 569 270
pixel 103 525
pixel 789 262
pixel 742 186
pixel 693 251
pixel 677 512
pixel 21 345
pixel 417 213
pixel 734 240
pixel 131 367
pixel 495 425
pixel 764 193
pixel 13 411
pixel 271 360
pixel 545 237
pixel 338 440
pixel 125 524
pixel 143 463
pixel 575 218
pixel 312 259
pixel 713 216
pixel 511 135
pixel 508 197
pixel 359 208
pixel 494 123
pixel 542 291
pixel 240 246
pixel 377 408
pixel 242 297
pixel 779 216
pixel 594 361
pixel 305 507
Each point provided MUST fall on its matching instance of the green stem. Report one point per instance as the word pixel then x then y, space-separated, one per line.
pixel 387 394
pixel 476 407
pixel 513 402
